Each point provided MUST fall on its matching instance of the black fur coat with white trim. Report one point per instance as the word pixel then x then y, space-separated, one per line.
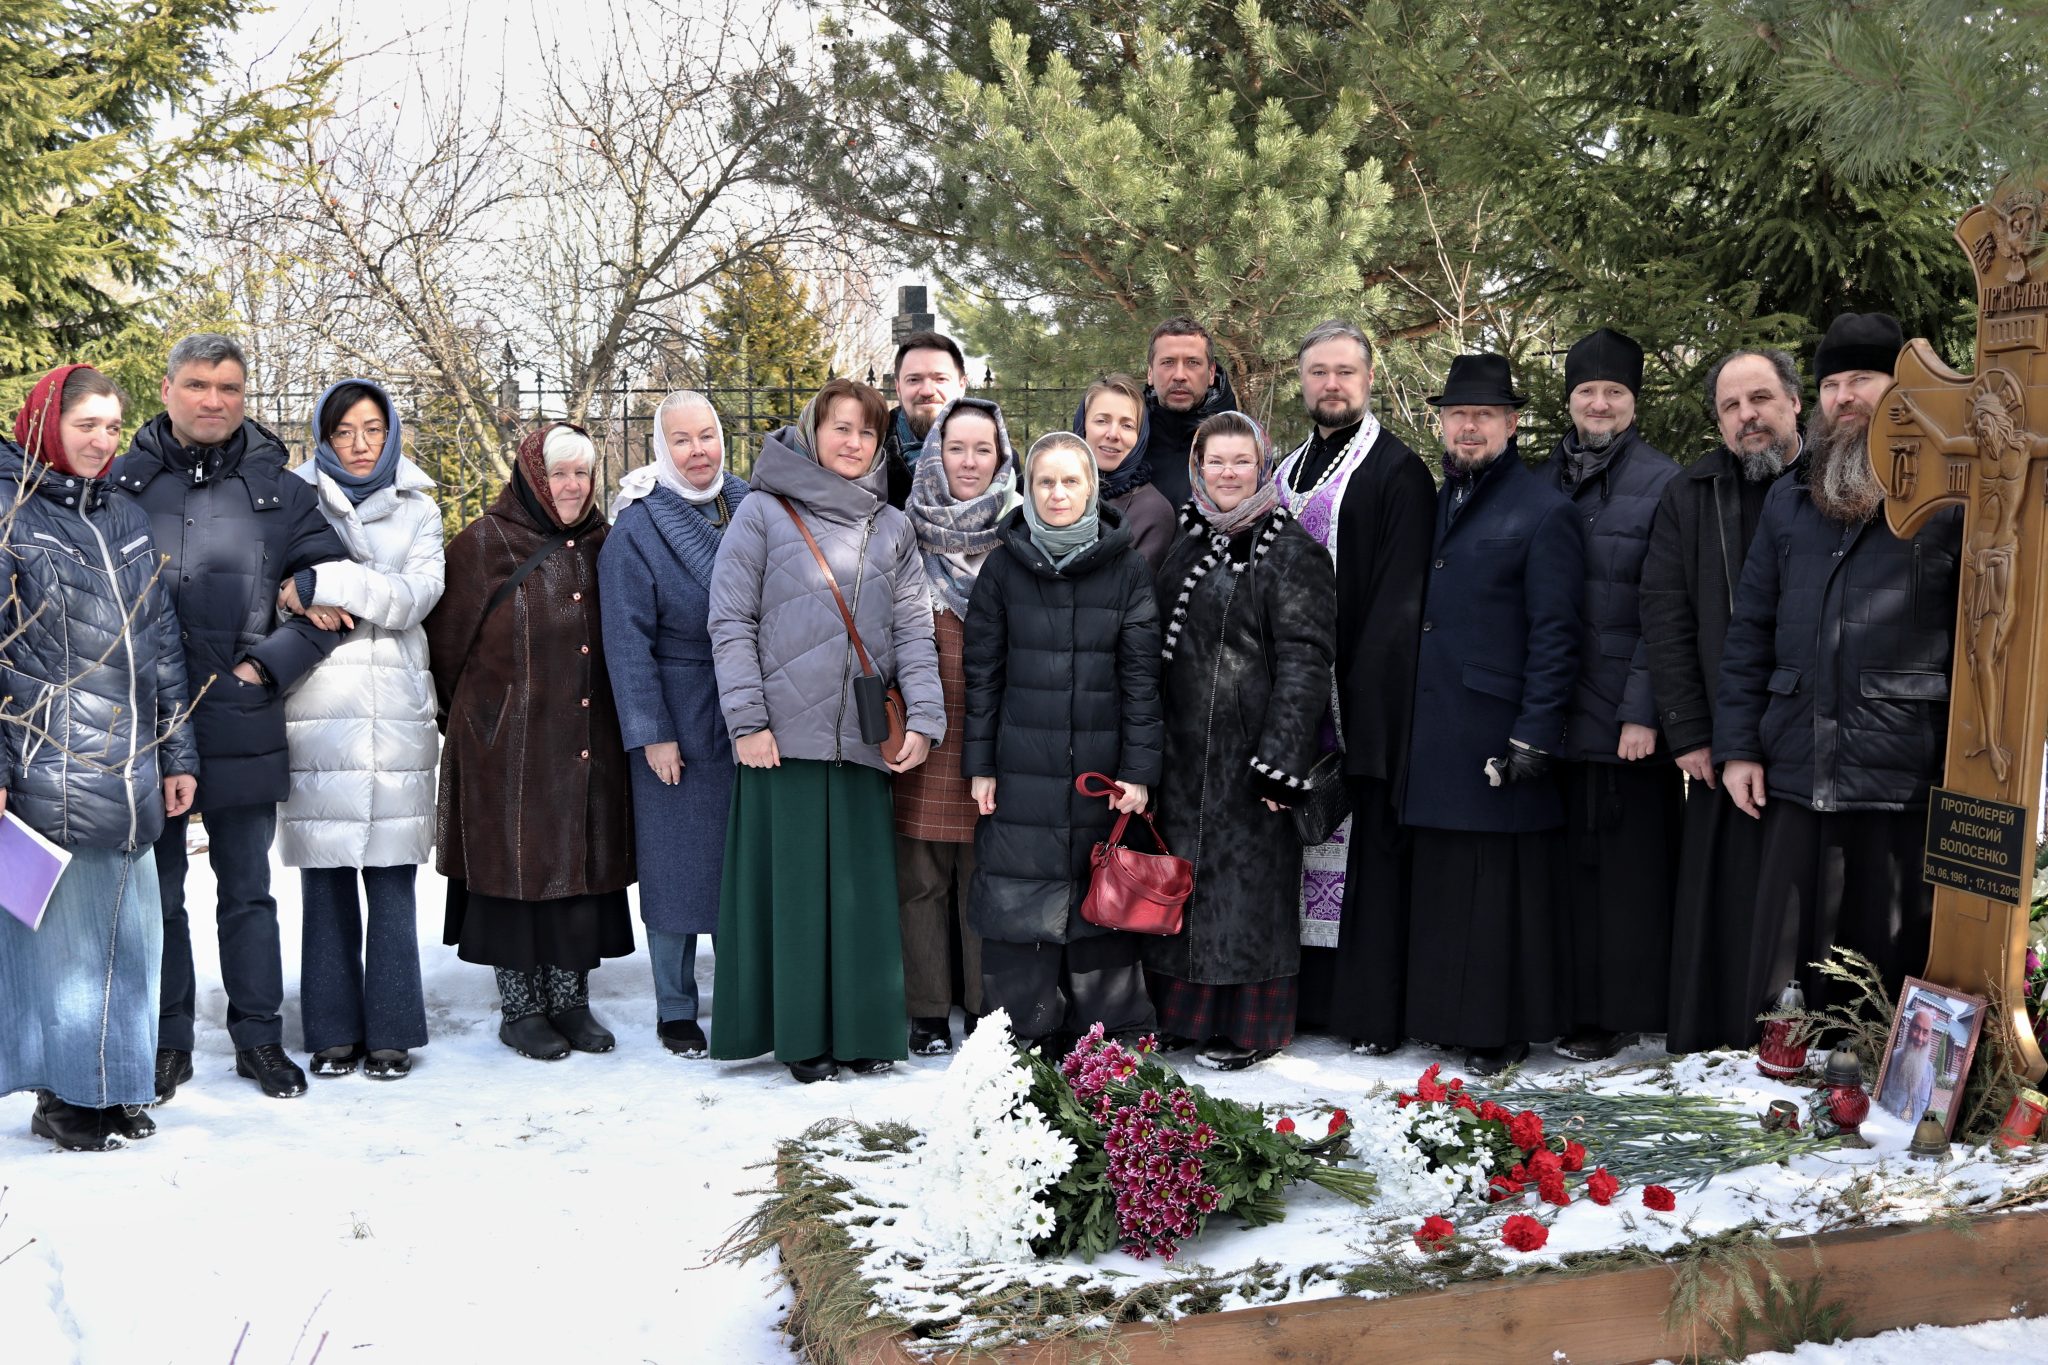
pixel 1250 643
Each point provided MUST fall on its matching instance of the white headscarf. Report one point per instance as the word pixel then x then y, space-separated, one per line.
pixel 642 481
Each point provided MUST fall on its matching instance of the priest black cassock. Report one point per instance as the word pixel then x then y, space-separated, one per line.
pixel 1622 794
pixel 1831 716
pixel 1361 493
pixel 1705 522
pixel 1493 685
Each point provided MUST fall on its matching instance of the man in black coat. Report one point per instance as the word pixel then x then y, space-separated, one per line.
pixel 1705 523
pixel 1368 499
pixel 1184 384
pixel 930 372
pixel 1832 718
pixel 1493 688
pixel 232 526
pixel 1621 793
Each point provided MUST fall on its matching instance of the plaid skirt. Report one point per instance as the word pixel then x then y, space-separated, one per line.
pixel 1257 1014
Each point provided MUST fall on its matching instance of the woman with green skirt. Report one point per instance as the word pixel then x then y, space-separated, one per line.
pixel 810 957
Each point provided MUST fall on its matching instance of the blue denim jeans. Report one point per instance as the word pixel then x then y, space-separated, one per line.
pixel 357 988
pixel 245 917
pixel 78 997
pixel 675 974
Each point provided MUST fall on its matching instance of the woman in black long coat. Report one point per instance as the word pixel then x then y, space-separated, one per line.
pixel 1062 663
pixel 1250 644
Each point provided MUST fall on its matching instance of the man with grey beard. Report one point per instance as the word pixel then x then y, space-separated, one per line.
pixel 1704 524
pixel 1831 714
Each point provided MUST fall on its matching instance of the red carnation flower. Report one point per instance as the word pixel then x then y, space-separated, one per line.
pixel 1551 1187
pixel 1602 1187
pixel 1658 1198
pixel 1574 1156
pixel 1502 1187
pixel 1525 1130
pixel 1543 1161
pixel 1402 1101
pixel 1524 1233
pixel 1463 1101
pixel 1427 1087
pixel 1435 1233
pixel 1338 1120
pixel 1285 1125
pixel 1489 1112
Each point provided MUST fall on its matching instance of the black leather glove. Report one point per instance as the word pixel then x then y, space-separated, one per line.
pixel 1519 764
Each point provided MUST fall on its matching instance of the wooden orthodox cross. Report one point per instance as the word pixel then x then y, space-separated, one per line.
pixel 1940 438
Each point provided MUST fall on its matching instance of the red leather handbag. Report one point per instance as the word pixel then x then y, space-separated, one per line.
pixel 1140 893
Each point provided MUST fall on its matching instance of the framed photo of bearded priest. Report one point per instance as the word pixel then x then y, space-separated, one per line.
pixel 1928 1056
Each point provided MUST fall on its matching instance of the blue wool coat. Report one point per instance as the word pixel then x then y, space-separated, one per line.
pixel 654 575
pixel 1500 651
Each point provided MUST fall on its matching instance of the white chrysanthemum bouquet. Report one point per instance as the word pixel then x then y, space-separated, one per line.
pixel 989 1154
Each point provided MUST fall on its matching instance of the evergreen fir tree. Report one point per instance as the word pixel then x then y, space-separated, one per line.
pixel 107 118
pixel 1074 173
pixel 761 333
pixel 1890 84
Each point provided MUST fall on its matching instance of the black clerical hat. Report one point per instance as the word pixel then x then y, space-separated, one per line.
pixel 1479 381
pixel 1605 354
pixel 1859 341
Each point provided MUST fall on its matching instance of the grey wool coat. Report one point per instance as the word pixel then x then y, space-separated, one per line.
pixel 778 642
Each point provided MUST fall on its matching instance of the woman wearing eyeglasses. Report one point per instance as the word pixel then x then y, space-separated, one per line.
pixel 1250 644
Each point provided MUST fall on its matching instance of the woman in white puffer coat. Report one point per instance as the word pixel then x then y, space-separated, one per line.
pixel 363 741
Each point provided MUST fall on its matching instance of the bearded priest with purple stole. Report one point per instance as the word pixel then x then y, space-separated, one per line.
pixel 1368 500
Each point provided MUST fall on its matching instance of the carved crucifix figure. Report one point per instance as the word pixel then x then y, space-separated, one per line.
pixel 1994 432
pixel 1940 438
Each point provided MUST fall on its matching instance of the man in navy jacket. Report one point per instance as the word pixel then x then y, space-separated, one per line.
pixel 1493 687
pixel 1832 709
pixel 1622 793
pixel 232 526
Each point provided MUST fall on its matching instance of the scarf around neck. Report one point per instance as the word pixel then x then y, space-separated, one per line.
pixel 356 487
pixel 954 537
pixel 1260 502
pixel 1063 544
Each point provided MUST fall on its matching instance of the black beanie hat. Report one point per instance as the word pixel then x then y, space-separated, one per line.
pixel 1859 341
pixel 1605 354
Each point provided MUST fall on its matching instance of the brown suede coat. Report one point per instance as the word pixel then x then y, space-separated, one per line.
pixel 534 802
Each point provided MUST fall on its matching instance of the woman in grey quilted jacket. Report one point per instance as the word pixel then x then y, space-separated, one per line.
pixel 810 957
pixel 360 727
pixel 94 753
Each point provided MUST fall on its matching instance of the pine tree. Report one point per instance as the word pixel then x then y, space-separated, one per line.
pixel 1887 84
pixel 761 333
pixel 1076 173
pixel 1500 175
pixel 107 119
pixel 1641 183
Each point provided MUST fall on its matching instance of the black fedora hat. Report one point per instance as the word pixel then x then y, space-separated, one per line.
pixel 1479 381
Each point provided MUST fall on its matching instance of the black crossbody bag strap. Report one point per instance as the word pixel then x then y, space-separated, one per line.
pixel 504 594
pixel 511 585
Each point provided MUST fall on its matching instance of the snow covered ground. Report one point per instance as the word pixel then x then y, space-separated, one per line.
pixel 492 1208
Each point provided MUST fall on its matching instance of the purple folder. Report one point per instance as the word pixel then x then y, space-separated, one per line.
pixel 29 868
